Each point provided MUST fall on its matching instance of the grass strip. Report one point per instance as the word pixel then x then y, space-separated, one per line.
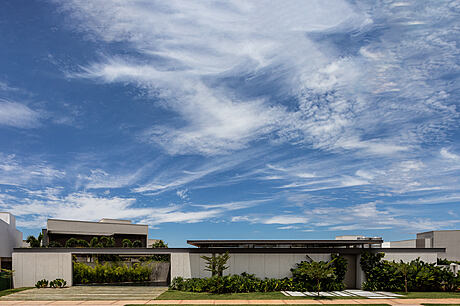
pixel 10 291
pixel 182 295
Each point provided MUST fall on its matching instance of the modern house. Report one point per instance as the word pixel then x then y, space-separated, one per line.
pixel 264 258
pixel 10 238
pixel 58 232
pixel 448 239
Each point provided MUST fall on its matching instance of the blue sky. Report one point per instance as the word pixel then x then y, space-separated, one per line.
pixel 240 119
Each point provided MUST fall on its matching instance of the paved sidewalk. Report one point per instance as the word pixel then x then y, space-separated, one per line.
pixel 402 302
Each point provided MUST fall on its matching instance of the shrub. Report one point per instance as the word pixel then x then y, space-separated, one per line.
pixel 54 244
pixel 415 276
pixel 159 244
pixel 71 243
pixel 58 283
pixel 110 273
pixel 42 283
pixel 331 282
pixel 94 243
pixel 127 243
pixel 231 284
pixel 107 242
pixel 82 243
pixel 137 244
pixel 34 242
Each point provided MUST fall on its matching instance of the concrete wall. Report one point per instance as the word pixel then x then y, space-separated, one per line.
pixel 100 228
pixel 10 237
pixel 189 265
pixel 32 267
pixel 407 257
pixel 402 244
pixel 449 240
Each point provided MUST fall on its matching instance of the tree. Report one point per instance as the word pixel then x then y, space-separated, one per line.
pixel 159 244
pixel 404 269
pixel 318 271
pixel 127 243
pixel 216 263
pixel 34 242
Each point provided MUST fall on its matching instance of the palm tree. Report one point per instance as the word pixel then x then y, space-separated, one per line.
pixel 216 264
pixel 318 271
pixel 405 269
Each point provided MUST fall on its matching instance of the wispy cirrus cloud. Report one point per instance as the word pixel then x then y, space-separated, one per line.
pixel 18 115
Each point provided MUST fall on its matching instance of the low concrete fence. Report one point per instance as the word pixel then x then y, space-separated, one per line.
pixel 32 267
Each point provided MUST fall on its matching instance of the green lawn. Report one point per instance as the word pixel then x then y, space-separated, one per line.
pixel 10 291
pixel 431 295
pixel 181 295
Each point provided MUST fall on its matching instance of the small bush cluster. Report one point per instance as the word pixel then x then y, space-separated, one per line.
pixel 415 276
pixel 231 284
pixel 110 273
pixel 57 283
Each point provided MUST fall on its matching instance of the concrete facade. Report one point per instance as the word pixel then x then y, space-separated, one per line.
pixel 450 240
pixel 10 237
pixel 59 231
pixel 31 267
pixel 429 257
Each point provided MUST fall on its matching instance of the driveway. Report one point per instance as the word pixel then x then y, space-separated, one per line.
pixel 87 293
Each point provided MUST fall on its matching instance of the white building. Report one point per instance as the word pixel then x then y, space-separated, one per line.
pixel 10 238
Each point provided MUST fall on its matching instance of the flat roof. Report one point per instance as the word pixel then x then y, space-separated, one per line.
pixel 99 222
pixel 146 251
pixel 224 243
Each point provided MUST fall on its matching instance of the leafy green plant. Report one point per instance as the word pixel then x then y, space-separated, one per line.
pixel 7 275
pixel 159 244
pixel 58 283
pixel 127 243
pixel 41 283
pixel 94 243
pixel 107 242
pixel 54 244
pixel 71 243
pixel 110 273
pixel 413 276
pixel 82 243
pixel 137 244
pixel 318 271
pixel 216 264
pixel 35 242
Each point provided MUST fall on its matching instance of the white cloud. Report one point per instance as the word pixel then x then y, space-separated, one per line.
pixel 18 115
pixel 449 155
pixel 33 210
pixel 15 171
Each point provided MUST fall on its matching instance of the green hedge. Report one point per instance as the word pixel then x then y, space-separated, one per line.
pixel 110 273
pixel 5 282
pixel 249 283
pixel 231 284
pixel 421 276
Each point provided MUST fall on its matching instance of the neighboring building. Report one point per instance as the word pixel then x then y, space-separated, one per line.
pixel 59 231
pixel 10 238
pixel 448 239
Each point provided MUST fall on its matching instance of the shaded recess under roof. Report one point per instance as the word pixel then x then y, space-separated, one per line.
pixel 376 242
